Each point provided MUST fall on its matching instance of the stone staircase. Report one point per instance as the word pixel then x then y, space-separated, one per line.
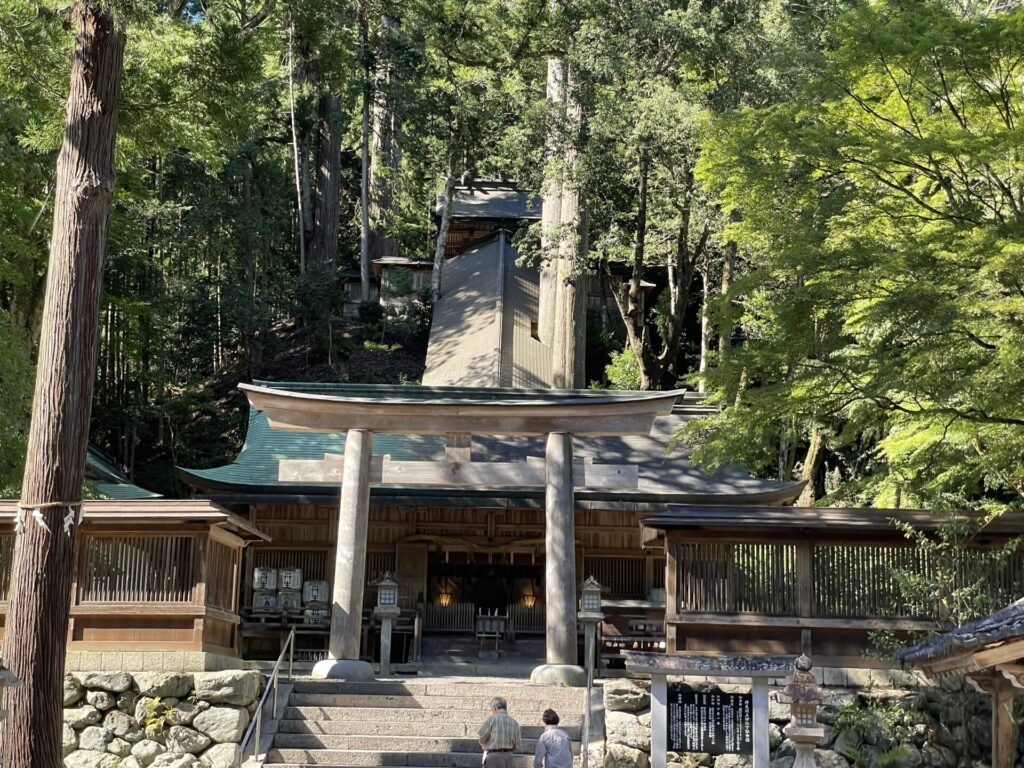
pixel 419 724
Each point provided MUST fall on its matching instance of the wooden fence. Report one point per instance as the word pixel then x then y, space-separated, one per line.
pixel 138 569
pixel 837 580
pixel 161 590
pixel 527 621
pixel 457 617
pixel 745 578
pixel 461 618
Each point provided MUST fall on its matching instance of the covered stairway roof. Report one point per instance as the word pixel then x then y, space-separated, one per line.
pixel 663 477
pixel 497 349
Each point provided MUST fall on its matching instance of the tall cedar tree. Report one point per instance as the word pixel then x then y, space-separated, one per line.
pixel 41 581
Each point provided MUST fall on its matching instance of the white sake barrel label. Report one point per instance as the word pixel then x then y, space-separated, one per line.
pixel 264 579
pixel 318 615
pixel 289 601
pixel 264 602
pixel 314 592
pixel 289 578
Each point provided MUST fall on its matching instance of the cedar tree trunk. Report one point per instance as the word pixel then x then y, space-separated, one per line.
pixel 386 149
pixel 36 636
pixel 568 339
pixel 551 202
pixel 324 244
pixel 364 180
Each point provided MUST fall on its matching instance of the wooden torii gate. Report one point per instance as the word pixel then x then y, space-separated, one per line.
pixel 459 414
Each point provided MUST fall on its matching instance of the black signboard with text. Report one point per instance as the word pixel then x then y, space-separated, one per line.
pixel 711 722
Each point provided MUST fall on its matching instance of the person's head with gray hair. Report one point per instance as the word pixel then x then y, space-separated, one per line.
pixel 498 704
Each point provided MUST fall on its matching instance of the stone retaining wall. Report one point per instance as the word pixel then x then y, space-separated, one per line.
pixel 948 726
pixel 149 661
pixel 157 719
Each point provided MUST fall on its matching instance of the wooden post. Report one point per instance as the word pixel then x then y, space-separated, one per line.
pixel 385 646
pixel 560 553
pixel 350 554
pixel 805 591
pixel 672 552
pixel 759 689
pixel 1004 729
pixel 659 721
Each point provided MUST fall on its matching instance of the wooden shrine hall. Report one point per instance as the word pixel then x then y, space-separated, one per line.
pixel 488 497
pixel 476 499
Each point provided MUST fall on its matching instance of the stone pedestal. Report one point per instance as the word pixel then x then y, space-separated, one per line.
pixel 386 614
pixel 559 674
pixel 805 740
pixel 342 669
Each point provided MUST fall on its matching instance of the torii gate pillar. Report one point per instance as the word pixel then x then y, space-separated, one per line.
pixel 350 564
pixel 560 567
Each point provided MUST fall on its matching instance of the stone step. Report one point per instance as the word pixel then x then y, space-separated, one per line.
pixel 409 717
pixel 518 704
pixel 410 744
pixel 337 758
pixel 440 688
pixel 457 728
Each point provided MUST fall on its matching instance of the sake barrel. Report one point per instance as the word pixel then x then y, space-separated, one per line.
pixel 317 615
pixel 315 592
pixel 264 601
pixel 290 579
pixel 289 600
pixel 264 579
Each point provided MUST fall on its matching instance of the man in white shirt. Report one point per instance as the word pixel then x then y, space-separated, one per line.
pixel 554 750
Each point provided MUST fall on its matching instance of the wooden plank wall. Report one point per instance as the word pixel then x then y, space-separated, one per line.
pixel 303 536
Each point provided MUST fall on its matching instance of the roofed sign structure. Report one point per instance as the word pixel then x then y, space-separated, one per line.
pixel 990 652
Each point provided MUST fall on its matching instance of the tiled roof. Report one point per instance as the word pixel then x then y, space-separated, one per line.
pixel 494 200
pixel 1004 625
pixel 102 470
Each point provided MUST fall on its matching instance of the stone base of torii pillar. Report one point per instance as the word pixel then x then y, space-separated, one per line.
pixel 342 669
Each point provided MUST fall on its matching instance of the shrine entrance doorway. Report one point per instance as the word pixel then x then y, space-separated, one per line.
pixel 465 585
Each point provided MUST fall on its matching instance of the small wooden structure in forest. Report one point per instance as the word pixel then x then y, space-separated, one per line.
pixel 990 653
pixel 155 575
pixel 792 580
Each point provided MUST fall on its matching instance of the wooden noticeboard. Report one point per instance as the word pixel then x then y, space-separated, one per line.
pixel 710 722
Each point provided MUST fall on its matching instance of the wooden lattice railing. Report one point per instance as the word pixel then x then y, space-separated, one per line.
pixel 138 569
pixel 826 580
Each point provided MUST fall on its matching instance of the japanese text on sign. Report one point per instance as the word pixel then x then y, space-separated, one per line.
pixel 711 722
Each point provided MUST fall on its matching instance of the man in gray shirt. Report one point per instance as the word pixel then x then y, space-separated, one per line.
pixel 554 750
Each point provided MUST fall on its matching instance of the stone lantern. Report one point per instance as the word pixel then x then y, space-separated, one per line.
pixel 386 611
pixel 590 599
pixel 805 697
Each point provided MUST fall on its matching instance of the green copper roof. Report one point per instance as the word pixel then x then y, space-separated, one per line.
pixel 102 470
pixel 663 475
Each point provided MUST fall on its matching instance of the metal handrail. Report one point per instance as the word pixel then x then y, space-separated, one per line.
pixel 257 723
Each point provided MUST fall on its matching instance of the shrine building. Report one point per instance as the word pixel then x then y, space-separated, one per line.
pixel 485 493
